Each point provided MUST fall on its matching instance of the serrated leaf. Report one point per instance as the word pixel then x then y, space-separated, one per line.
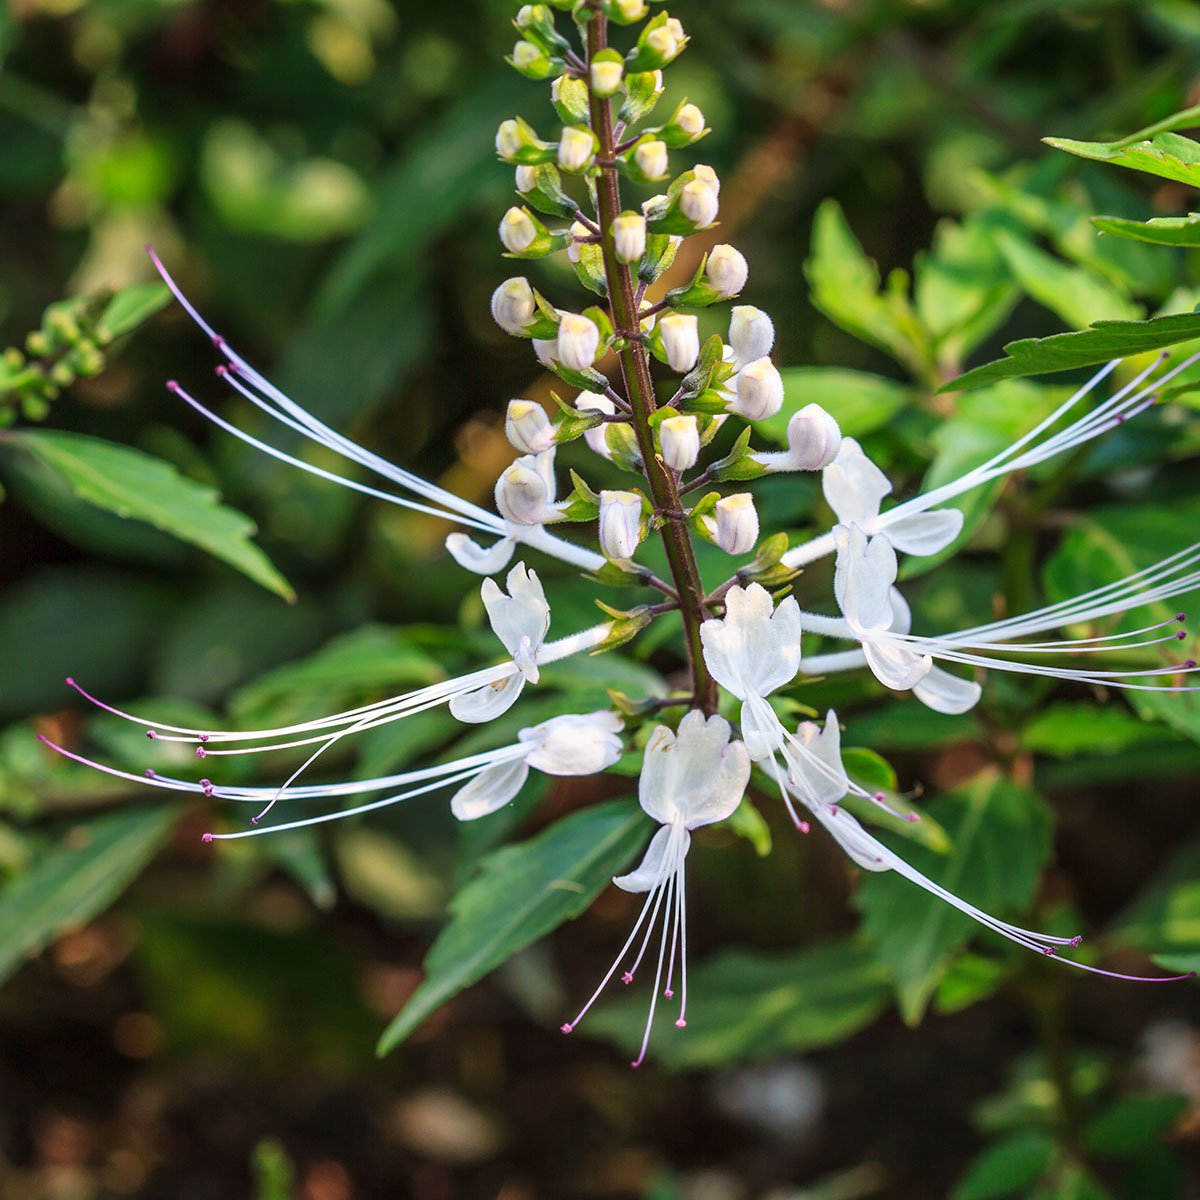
pixel 1000 836
pixel 1101 342
pixel 139 487
pixel 1159 231
pixel 77 880
pixel 748 1005
pixel 521 893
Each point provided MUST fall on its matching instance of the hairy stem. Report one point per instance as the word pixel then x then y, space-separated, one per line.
pixel 639 389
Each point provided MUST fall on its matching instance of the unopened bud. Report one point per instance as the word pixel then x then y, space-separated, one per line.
pixel 726 271
pixel 595 438
pixel 576 149
pixel 680 335
pixel 526 180
pixel 736 524
pixel 629 236
pixel 680 441
pixel 606 75
pixel 627 11
pixel 813 440
pixel 705 174
pixel 525 491
pixel 509 140
pixel 528 428
pixel 751 333
pixel 759 391
pixel 532 61
pixel 578 341
pixel 517 231
pixel 652 160
pixel 514 305
pixel 579 235
pixel 698 202
pixel 620 523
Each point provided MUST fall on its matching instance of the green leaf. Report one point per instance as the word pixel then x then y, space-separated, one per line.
pixel 1133 1123
pixel 1000 834
pixel 132 306
pixel 1160 231
pixel 1084 348
pixel 1165 154
pixel 76 880
pixel 745 1005
pixel 1007 1167
pixel 1069 729
pixel 1165 919
pixel 521 893
pixel 859 401
pixel 1076 295
pixel 136 486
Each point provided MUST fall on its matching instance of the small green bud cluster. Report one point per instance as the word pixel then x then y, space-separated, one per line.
pixel 69 345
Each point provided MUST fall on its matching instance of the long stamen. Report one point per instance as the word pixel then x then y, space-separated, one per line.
pixel 662 947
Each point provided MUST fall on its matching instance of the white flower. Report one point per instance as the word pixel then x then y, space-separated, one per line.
pixel 606 76
pixel 734 524
pixel 629 236
pixel 813 440
pixel 690 779
pixel 576 148
pixel 524 179
pixel 758 391
pixel 595 402
pixel 652 160
pixel 691 120
pixel 520 620
pixel 545 350
pixel 751 334
pixel 514 305
pixel 939 690
pixel 525 491
pixel 751 651
pixel 680 441
pixel 680 335
pixel 578 341
pixel 814 760
pixel 620 523
pixel 855 487
pixel 528 428
pixel 726 271
pixel 517 231
pixel 574 744
pixel 509 140
pixel 698 202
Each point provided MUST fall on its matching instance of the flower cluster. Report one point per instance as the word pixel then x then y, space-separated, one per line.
pixel 650 394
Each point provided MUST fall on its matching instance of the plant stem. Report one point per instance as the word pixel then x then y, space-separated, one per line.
pixel 639 388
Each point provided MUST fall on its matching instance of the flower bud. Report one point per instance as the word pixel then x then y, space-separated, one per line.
pixel 514 305
pixel 629 235
pixel 546 352
pixel 626 11
pixel 606 75
pixel 526 181
pixel 680 341
pixel 531 61
pixel 579 234
pixel 680 441
pixel 813 440
pixel 690 120
pixel 736 524
pixel 528 428
pixel 698 202
pixel 517 231
pixel 576 148
pixel 663 45
pixel 578 341
pixel 570 99
pixel 509 140
pixel 525 491
pixel 620 523
pixel 705 174
pixel 652 160
pixel 751 333
pixel 759 391
pixel 726 271
pixel 595 438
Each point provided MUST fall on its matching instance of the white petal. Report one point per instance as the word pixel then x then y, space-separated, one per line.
pixel 523 613
pixel 487 703
pixel 946 693
pixel 863 578
pixel 574 744
pixel 656 864
pixel 901 613
pixel 895 665
pixel 753 649
pixel 924 533
pixel 694 777
pixel 491 789
pixel 483 560
pixel 827 785
pixel 854 485
pixel 867 851
pixel 762 731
